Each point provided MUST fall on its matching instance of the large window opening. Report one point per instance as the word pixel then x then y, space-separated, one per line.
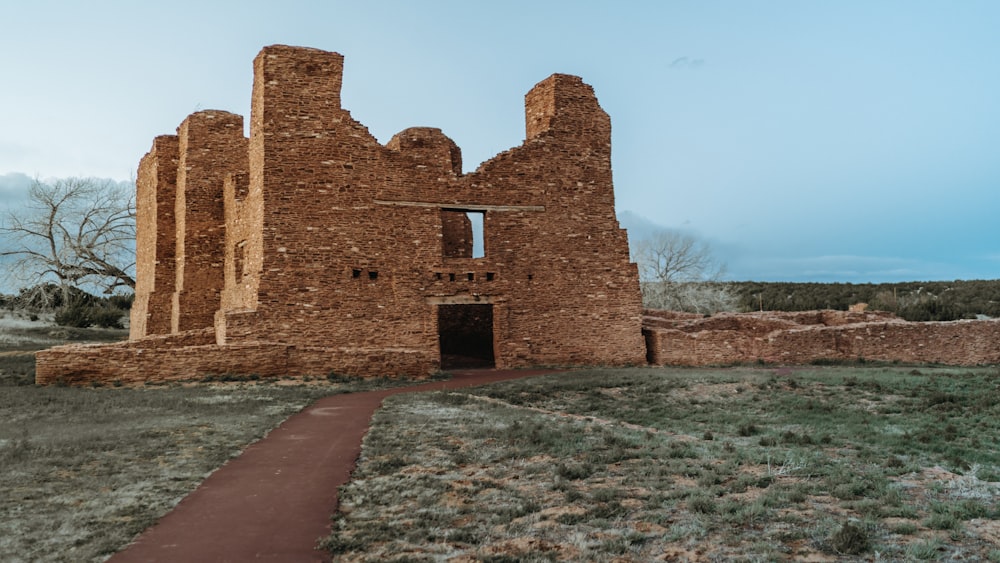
pixel 466 336
pixel 463 233
pixel 477 219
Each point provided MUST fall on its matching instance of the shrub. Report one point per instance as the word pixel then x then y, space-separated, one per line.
pixel 701 503
pixel 121 301
pixel 942 521
pixel 77 316
pixel 107 317
pixel 850 540
pixel 924 550
pixel 574 471
pixel 83 316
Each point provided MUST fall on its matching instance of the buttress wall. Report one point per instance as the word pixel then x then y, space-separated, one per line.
pixel 211 145
pixel 156 189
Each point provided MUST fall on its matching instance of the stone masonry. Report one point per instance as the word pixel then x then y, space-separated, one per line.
pixel 805 337
pixel 311 248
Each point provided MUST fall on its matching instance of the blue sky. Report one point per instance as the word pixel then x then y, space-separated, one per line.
pixel 853 141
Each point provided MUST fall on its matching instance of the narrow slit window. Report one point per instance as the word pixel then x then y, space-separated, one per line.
pixel 490 276
pixel 355 273
pixel 478 220
pixel 471 276
pixel 239 259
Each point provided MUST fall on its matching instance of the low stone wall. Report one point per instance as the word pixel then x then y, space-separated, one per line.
pixel 671 339
pixel 802 338
pixel 153 360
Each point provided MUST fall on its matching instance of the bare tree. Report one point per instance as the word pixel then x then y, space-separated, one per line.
pixel 674 257
pixel 76 232
pixel 679 272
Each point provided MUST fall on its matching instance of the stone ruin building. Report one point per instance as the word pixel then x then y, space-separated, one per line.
pixel 311 248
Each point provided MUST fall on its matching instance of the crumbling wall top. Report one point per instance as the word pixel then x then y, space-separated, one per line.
pixel 564 103
pixel 294 70
pixel 428 145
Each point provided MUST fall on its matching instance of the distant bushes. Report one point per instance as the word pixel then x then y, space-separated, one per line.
pixel 83 316
pixel 913 301
pixel 72 307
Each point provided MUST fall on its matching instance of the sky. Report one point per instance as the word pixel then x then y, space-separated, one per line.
pixel 846 141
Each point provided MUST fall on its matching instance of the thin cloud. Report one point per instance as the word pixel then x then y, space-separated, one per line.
pixel 687 63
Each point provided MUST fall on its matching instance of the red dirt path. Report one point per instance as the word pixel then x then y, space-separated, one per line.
pixel 274 501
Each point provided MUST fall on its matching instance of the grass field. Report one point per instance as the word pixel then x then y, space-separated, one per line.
pixel 820 463
pixel 82 470
pixel 817 464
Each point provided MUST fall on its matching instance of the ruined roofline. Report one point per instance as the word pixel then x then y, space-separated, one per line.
pixel 562 102
pixel 322 72
pixel 211 114
pixel 559 103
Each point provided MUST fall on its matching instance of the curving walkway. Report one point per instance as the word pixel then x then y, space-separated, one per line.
pixel 275 500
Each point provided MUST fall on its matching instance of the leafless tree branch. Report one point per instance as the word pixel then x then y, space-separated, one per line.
pixel 79 232
pixel 678 272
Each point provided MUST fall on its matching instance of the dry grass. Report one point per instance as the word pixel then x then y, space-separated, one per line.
pixel 818 464
pixel 22 332
pixel 82 471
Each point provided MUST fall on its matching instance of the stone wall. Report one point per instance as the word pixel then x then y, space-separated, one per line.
pixel 156 244
pixel 131 363
pixel 211 145
pixel 311 247
pixel 802 338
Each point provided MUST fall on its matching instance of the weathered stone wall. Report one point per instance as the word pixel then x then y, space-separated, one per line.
pixel 311 247
pixel 456 234
pixel 137 362
pixel 244 258
pixel 156 189
pixel 211 146
pixel 801 338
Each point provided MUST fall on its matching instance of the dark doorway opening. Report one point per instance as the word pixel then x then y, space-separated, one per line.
pixel 466 336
